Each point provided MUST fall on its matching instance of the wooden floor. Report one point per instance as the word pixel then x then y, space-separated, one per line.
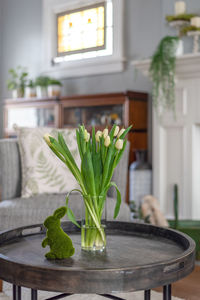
pixel 189 287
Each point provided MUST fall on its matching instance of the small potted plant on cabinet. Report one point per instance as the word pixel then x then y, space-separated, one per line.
pixel 17 82
pixel 41 84
pixel 54 88
pixel 30 89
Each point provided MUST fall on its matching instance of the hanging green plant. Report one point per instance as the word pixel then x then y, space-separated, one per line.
pixel 162 73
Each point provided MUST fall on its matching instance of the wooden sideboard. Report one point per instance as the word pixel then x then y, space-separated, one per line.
pixel 99 110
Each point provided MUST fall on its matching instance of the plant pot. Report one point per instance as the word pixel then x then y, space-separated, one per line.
pixel 93 236
pixel 30 92
pixel 54 90
pixel 17 93
pixel 180 48
pixel 41 91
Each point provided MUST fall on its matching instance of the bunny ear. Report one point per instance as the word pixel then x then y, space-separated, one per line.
pixel 60 212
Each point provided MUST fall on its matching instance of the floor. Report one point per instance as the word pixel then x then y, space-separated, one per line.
pixel 189 287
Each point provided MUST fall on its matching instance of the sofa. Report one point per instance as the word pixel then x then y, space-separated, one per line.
pixel 16 211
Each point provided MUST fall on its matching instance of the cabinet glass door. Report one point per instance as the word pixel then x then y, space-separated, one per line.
pixel 30 117
pixel 93 115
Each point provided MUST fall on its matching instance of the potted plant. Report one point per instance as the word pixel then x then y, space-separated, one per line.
pixel 54 88
pixel 41 84
pixel 17 82
pixel 30 89
pixel 162 73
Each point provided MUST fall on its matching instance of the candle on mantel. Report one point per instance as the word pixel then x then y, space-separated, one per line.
pixel 195 21
pixel 179 7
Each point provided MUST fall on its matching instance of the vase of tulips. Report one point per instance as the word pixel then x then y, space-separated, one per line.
pixel 100 154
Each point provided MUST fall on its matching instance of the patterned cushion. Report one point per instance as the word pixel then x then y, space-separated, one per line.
pixel 42 171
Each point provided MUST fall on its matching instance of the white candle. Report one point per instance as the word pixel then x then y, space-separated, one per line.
pixel 195 21
pixel 179 7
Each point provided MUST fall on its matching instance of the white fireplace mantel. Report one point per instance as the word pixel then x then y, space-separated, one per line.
pixel 176 142
pixel 187 66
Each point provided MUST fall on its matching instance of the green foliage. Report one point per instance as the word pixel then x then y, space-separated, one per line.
pixel 42 81
pixel 97 167
pixel 182 17
pixel 162 72
pixel 186 29
pixel 18 79
pixel 59 242
pixel 31 83
pixel 53 81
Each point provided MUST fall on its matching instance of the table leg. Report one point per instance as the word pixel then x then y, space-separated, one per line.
pixel 16 292
pixel 33 294
pixel 147 295
pixel 167 292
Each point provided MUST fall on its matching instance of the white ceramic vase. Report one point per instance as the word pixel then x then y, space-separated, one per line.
pixel 54 90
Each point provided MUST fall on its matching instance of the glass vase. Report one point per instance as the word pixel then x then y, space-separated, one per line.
pixel 93 236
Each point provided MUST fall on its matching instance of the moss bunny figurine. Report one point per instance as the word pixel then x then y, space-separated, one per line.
pixel 59 242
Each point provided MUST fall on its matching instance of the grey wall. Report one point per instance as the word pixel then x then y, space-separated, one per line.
pixel 20 41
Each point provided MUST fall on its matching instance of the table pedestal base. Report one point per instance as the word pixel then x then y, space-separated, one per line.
pixel 147 294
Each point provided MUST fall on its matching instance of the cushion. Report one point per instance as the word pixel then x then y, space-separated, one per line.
pixel 42 170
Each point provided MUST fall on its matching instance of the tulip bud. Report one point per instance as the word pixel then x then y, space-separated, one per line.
pixel 88 137
pixel 47 139
pixel 105 133
pixel 116 131
pixel 120 133
pixel 119 144
pixel 107 141
pixel 85 133
pixel 98 135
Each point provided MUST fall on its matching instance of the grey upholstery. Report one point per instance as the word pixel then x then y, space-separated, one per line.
pixel 10 169
pixel 16 211
pixel 26 211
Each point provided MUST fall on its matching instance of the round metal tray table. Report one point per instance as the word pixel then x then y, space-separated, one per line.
pixel 137 257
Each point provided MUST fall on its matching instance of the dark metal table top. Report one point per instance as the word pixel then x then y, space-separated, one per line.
pixel 138 257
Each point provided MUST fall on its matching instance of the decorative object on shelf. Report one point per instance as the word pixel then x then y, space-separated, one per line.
pixel 180 8
pixel 179 21
pixel 59 242
pixel 54 88
pixel 140 178
pixel 193 30
pixel 99 157
pixel 162 73
pixel 41 84
pixel 30 89
pixel 17 82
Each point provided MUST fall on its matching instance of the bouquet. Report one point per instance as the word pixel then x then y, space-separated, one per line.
pixel 99 155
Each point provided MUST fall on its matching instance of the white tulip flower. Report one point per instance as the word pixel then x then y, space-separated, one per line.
pixel 98 135
pixel 105 133
pixel 88 137
pixel 85 134
pixel 47 138
pixel 119 144
pixel 116 131
pixel 107 141
pixel 120 133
